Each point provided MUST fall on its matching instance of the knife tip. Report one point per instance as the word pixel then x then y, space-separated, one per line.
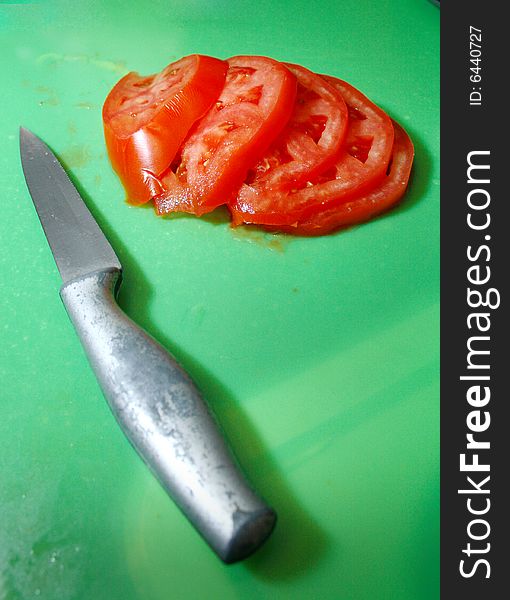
pixel 27 140
pixel 24 132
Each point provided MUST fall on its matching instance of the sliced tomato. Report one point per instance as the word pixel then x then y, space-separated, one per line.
pixel 309 144
pixel 368 204
pixel 361 165
pixel 146 119
pixel 252 110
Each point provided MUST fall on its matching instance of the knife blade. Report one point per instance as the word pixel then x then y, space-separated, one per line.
pixel 78 244
pixel 155 402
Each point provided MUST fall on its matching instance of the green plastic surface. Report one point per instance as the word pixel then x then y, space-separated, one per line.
pixel 319 356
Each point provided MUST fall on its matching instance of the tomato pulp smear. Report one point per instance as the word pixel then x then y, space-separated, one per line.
pixel 146 119
pixel 252 109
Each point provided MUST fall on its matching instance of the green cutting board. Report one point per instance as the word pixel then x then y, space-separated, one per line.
pixel 319 356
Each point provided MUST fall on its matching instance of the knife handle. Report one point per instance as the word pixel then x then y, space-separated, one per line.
pixel 166 420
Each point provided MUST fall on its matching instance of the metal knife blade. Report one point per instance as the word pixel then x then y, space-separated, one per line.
pixel 78 244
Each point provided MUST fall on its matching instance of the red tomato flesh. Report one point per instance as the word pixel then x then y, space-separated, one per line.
pixel 360 166
pixel 253 108
pixel 368 204
pixel 309 144
pixel 146 119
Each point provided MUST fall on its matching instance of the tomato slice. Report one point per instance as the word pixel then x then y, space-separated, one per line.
pixel 309 144
pixel 146 119
pixel 368 204
pixel 361 165
pixel 252 109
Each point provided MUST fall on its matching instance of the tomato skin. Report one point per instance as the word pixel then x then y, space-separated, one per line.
pixel 146 119
pixel 368 204
pixel 355 170
pixel 252 109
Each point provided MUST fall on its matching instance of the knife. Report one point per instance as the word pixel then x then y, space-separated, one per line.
pixel 155 402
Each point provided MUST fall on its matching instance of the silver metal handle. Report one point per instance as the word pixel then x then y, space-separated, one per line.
pixel 165 418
